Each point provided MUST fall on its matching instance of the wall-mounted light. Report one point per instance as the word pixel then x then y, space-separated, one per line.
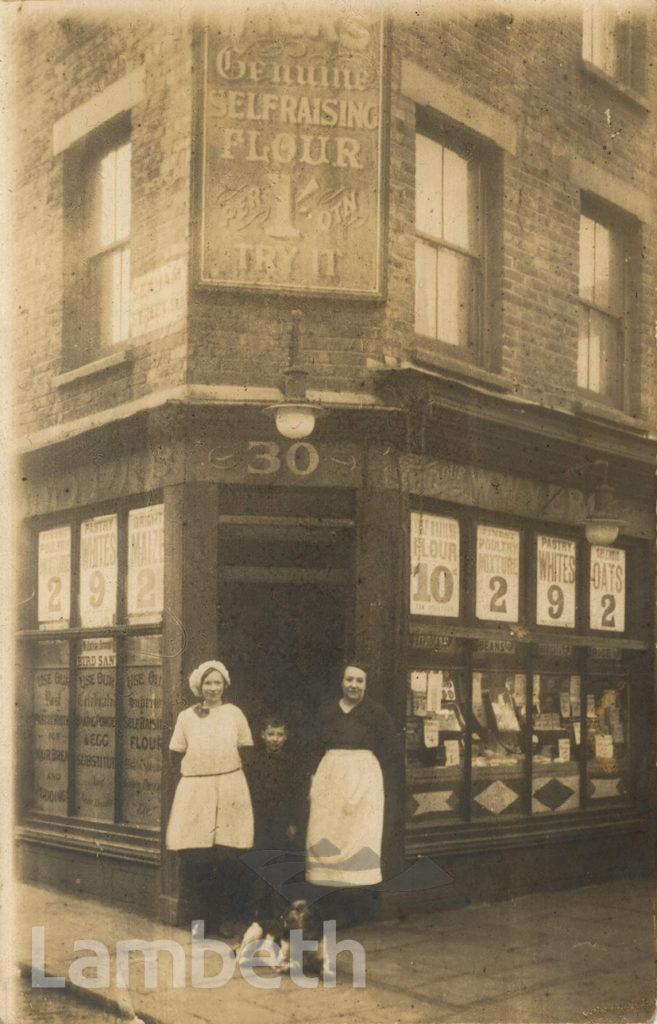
pixel 295 416
pixel 601 525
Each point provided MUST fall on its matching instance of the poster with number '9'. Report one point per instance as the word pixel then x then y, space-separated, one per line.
pixel 98 571
pixel 145 564
pixel 434 565
pixel 555 581
pixel 498 573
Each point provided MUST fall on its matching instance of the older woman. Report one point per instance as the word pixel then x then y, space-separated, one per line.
pixel 356 739
pixel 211 818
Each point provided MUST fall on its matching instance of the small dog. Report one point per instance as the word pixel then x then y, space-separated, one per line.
pixel 275 941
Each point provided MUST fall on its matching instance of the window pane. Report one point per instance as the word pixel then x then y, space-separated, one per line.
pixel 586 260
pixel 608 331
pixel 425 289
pixel 456 228
pixel 141 734
pixel 602 264
pixel 557 737
pixel 124 317
pixel 583 349
pixel 107 200
pixel 499 704
pixel 428 186
pixel 50 708
pixel 95 729
pixel 593 383
pixel 452 298
pixel 608 760
pixel 435 747
pixel 122 198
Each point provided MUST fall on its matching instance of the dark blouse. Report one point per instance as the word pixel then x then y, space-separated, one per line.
pixel 368 726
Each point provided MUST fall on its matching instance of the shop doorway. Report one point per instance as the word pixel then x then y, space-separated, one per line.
pixel 284 614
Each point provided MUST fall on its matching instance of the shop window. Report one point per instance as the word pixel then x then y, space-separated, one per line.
pixel 97 685
pixel 435 743
pixel 521 724
pixel 614 42
pixel 499 737
pixel 607 740
pixel 97 206
pixel 556 742
pixel 448 246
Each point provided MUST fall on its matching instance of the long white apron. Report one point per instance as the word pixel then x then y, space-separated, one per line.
pixel 343 842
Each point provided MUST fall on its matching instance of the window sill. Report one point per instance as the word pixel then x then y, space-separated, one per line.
pixel 119 842
pixel 122 355
pixel 600 411
pixel 626 91
pixel 451 368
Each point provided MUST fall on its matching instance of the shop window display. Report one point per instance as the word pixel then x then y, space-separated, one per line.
pixel 499 741
pixel 435 744
pixel 607 740
pixel 556 742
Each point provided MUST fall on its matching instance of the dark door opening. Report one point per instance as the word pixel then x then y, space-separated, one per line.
pixel 283 644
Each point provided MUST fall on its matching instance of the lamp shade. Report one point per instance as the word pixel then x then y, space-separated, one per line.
pixel 295 420
pixel 601 531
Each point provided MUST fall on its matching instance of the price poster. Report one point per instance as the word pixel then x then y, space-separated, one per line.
pixel 145 564
pixel 555 581
pixel 98 571
pixel 607 589
pixel 54 583
pixel 498 573
pixel 435 565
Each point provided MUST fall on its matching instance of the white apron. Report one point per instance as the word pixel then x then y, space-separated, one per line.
pixel 343 843
pixel 211 810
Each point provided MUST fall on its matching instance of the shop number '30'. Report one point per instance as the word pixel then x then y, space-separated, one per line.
pixel 265 457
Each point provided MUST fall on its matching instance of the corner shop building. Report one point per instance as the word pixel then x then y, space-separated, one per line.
pixel 428 520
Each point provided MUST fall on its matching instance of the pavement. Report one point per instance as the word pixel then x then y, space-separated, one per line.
pixel 561 957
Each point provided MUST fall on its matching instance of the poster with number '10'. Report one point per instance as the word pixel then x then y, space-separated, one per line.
pixel 607 593
pixel 498 573
pixel 145 563
pixel 434 565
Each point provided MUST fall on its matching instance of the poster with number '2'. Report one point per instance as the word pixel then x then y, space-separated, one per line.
pixel 145 564
pixel 498 573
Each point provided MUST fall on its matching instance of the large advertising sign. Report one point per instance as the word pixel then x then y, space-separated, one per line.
pixel 434 565
pixel 498 573
pixel 607 592
pixel 98 571
pixel 54 586
pixel 291 165
pixel 555 581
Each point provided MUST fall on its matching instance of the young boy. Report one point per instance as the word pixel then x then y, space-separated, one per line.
pixel 279 796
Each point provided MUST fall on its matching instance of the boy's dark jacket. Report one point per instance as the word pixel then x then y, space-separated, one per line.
pixel 279 794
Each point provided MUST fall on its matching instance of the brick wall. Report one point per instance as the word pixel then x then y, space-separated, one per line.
pixel 60 63
pixel 528 69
